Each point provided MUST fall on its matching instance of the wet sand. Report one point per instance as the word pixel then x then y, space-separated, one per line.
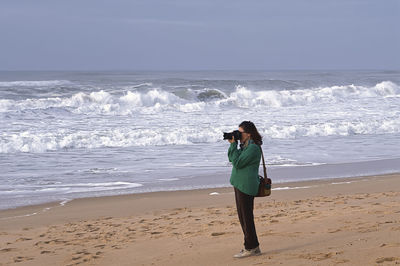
pixel 347 221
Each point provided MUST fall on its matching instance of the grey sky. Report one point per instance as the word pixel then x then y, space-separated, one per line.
pixel 202 34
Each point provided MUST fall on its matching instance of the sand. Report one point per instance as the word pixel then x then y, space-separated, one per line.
pixel 327 222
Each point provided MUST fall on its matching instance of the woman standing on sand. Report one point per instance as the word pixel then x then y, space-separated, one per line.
pixel 244 178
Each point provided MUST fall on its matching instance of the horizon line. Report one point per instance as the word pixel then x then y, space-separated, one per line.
pixel 196 70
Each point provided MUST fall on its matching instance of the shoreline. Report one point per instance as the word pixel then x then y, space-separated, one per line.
pixel 279 186
pixel 279 175
pixel 29 211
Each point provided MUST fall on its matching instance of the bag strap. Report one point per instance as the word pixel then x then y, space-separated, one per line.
pixel 265 168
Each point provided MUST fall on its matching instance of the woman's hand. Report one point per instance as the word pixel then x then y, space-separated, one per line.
pixel 232 140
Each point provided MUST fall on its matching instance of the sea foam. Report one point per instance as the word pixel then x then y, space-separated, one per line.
pixel 155 100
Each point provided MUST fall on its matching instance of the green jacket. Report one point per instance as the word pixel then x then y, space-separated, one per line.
pixel 246 163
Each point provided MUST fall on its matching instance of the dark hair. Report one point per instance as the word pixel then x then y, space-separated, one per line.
pixel 250 128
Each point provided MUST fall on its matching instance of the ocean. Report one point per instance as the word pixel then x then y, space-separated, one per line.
pixel 65 135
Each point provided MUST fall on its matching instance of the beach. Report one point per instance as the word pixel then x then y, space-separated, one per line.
pixel 347 221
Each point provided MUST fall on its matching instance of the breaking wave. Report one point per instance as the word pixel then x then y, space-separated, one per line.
pixel 61 139
pixel 131 102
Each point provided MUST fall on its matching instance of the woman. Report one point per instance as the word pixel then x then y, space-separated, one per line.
pixel 244 178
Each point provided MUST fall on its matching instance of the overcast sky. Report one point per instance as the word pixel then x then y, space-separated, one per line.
pixel 199 35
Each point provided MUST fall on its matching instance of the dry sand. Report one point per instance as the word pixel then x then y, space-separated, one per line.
pixel 350 222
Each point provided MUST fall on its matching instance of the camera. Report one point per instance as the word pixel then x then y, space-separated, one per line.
pixel 236 134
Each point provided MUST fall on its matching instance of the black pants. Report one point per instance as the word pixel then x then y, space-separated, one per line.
pixel 245 206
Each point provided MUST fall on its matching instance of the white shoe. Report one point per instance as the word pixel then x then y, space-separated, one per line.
pixel 246 253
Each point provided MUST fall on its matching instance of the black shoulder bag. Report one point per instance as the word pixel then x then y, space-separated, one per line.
pixel 264 189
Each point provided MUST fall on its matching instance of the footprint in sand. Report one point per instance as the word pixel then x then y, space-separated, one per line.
pixel 367 229
pixel 23 239
pixel 4 250
pixel 316 256
pixel 390 245
pixel 84 252
pixel 383 259
pixel 219 233
pixel 46 252
pixel 21 259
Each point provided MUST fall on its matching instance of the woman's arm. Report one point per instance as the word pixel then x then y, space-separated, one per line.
pixel 240 159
